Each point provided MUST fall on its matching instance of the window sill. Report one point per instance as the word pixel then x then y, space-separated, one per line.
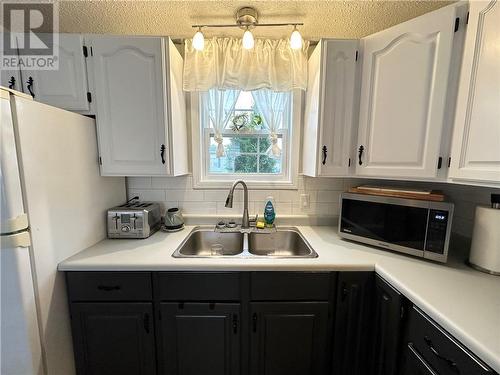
pixel 255 185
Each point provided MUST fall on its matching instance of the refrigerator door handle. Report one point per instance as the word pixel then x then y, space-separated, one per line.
pixel 21 239
pixel 16 224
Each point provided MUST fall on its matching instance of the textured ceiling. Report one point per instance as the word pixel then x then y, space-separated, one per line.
pixel 337 19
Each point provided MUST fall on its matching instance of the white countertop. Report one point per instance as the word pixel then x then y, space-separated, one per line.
pixel 463 301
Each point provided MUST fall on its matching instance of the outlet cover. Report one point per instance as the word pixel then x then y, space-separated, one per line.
pixel 305 201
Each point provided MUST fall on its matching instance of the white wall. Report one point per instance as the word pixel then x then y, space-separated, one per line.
pixel 323 193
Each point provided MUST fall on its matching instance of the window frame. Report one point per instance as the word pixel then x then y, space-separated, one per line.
pixel 288 179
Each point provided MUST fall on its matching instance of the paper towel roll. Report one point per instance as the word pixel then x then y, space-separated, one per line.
pixel 485 248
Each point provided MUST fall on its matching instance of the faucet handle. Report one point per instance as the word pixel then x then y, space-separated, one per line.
pixel 253 221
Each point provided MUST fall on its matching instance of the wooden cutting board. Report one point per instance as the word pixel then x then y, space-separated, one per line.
pixel 387 191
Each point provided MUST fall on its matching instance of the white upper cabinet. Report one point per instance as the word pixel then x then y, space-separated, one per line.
pixel 140 108
pixel 67 86
pixel 403 103
pixel 476 138
pixel 330 109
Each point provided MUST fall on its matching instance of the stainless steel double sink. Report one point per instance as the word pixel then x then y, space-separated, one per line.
pixel 205 242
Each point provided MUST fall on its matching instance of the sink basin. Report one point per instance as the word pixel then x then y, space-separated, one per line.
pixel 284 243
pixel 204 242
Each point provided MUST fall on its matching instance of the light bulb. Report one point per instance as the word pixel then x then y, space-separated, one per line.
pixel 199 41
pixel 295 39
pixel 248 41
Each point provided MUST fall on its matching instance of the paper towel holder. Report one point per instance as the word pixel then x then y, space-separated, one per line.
pixel 485 247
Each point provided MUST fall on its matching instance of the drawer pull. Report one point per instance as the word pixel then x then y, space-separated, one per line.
pixel 108 288
pixel 421 360
pixel 254 322
pixel 235 323
pixel 451 363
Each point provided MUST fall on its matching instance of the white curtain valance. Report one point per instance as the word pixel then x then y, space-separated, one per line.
pixel 225 64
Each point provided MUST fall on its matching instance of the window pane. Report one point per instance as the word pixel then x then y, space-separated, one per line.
pixel 244 145
pixel 265 142
pixel 245 164
pixel 269 165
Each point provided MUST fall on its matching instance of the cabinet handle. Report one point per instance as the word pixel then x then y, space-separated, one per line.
pixel 325 151
pixel 235 323
pixel 344 292
pixel 451 363
pixel 254 322
pixel 108 288
pixel 12 83
pixel 421 361
pixel 30 86
pixel 162 153
pixel 146 322
pixel 360 154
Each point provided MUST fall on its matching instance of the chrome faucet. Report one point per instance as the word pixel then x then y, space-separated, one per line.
pixel 245 223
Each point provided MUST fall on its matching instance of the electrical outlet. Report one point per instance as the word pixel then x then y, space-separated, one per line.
pixel 305 201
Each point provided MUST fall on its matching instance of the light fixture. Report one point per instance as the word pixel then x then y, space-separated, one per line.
pixel 248 40
pixel 199 40
pixel 247 19
pixel 295 39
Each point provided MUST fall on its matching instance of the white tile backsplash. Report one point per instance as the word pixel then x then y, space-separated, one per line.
pixel 323 197
pixel 179 190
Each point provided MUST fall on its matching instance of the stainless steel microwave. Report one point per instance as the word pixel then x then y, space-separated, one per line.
pixel 416 227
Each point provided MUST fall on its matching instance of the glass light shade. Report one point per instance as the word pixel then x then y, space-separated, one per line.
pixel 198 41
pixel 295 40
pixel 248 41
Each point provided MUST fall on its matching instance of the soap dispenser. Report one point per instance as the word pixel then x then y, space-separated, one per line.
pixel 269 212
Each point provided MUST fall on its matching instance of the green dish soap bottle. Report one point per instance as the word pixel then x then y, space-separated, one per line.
pixel 269 212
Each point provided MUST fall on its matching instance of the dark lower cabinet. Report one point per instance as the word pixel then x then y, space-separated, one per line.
pixel 288 338
pixel 437 352
pixel 113 338
pixel 387 328
pixel 352 329
pixel 200 338
pixel 255 323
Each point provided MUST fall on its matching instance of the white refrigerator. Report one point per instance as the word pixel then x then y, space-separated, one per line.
pixel 53 205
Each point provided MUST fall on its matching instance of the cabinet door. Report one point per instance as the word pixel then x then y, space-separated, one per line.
pixel 288 338
pixel 113 338
pixel 129 86
pixel 352 329
pixel 330 104
pixel 200 338
pixel 476 138
pixel 403 97
pixel 386 329
pixel 67 86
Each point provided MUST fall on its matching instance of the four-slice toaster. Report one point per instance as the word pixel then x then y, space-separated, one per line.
pixel 134 220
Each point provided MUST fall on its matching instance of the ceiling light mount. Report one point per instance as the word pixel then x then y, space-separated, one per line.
pixel 247 18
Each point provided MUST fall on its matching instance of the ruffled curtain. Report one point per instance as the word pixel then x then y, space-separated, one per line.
pixel 225 64
pixel 220 104
pixel 272 106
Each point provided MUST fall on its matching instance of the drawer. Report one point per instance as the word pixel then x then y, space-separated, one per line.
pixel 109 286
pixel 199 286
pixel 441 351
pixel 290 286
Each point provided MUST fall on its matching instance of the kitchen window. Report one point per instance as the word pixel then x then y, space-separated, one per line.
pixel 245 134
